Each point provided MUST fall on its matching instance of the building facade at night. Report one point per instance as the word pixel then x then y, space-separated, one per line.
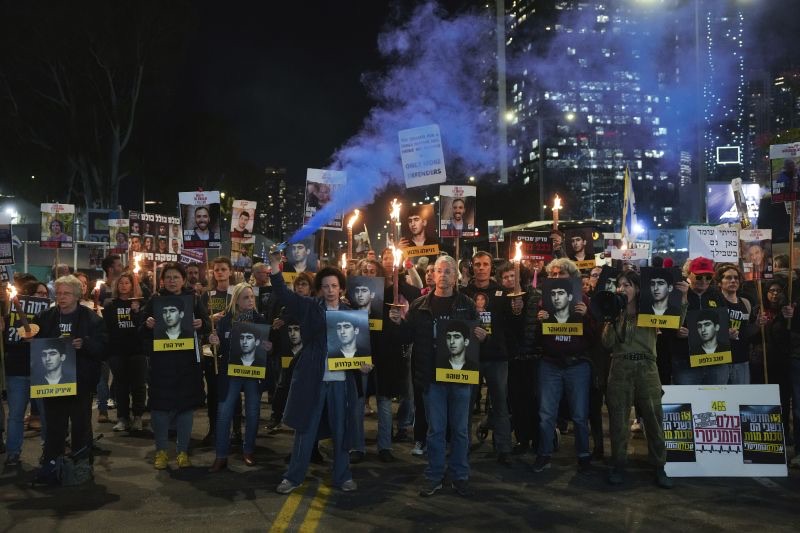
pixel 280 205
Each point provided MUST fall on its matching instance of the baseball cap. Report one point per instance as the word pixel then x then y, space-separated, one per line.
pixel 701 265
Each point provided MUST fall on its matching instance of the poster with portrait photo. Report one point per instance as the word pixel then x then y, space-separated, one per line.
pixel 709 338
pixel 321 188
pixel 783 163
pixel 248 353
pixel 154 238
pixel 242 256
pixel 53 368
pixel 6 244
pixel 242 219
pixel 57 225
pixel 559 298
pixel 118 234
pixel 301 257
pixel 348 339
pixel 481 299
pixel 457 352
pixel 579 243
pixel 755 255
pixel 173 314
pixel 200 214
pixel 495 231
pixel 366 293
pixel 659 300
pixel 457 210
pixel 608 279
pixel 418 230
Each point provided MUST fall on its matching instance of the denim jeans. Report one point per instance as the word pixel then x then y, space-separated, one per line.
pixel 574 382
pixel 739 373
pixel 333 395
pixel 160 421
pixel 18 389
pixel 447 406
pixel 384 423
pixel 683 374
pixel 496 375
pixel 102 389
pixel 357 413
pixel 225 409
pixel 796 403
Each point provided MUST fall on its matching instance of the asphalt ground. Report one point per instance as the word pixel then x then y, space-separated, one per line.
pixel 128 494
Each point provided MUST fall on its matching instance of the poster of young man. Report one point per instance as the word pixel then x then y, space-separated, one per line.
pixel 242 256
pixel 321 187
pixel 57 222
pixel 418 232
pixel 242 220
pixel 659 301
pixel 53 368
pixel 608 279
pixel 173 330
pixel 366 294
pixel 709 341
pixel 580 247
pixel 348 339
pixel 300 257
pixel 457 210
pixel 536 245
pixel 495 231
pixel 200 213
pixel 248 355
pixel 457 352
pixel 783 172
pixel 295 342
pixel 118 230
pixel 559 298
pixel 756 253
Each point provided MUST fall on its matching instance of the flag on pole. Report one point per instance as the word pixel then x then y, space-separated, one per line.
pixel 629 221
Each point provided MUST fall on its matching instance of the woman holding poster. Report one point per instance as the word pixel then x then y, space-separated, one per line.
pixel 633 379
pixel 176 386
pixel 241 309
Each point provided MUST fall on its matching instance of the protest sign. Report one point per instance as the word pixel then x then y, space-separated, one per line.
pixel 53 368
pixel 457 211
pixel 57 225
pixel 321 187
pixel 348 339
pixel 457 352
pixel 200 213
pixel 718 244
pixel 422 156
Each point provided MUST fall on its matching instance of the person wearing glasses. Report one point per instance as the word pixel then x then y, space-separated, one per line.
pixel 702 295
pixel 740 309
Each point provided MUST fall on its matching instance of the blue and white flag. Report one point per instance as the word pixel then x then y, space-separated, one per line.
pixel 629 220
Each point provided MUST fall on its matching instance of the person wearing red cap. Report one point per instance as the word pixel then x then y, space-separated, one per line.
pixel 702 295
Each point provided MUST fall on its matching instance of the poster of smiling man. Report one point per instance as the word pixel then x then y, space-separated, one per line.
pixel 348 339
pixel 57 223
pixel 709 336
pixel 457 210
pixel 659 301
pixel 200 213
pixel 248 353
pixel 457 352
pixel 173 329
pixel 53 368
pixel 366 293
pixel 321 187
pixel 559 298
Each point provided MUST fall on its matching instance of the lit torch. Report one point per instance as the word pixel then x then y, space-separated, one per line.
pixel 517 260
pixel 397 253
pixel 96 294
pixel 556 208
pixel 136 267
pixel 350 234
pixel 344 262
pixel 394 215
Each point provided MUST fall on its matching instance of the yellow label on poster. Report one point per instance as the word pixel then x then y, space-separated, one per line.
pixel 659 321
pixel 349 363
pixel 419 251
pixel 167 345
pixel 286 361
pixel 50 391
pixel 708 359
pixel 567 328
pixel 289 277
pixel 242 371
pixel 448 375
pixel 376 324
pixel 586 265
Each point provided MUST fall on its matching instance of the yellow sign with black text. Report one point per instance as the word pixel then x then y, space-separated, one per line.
pixel 168 345
pixel 376 324
pixel 586 265
pixel 659 321
pixel 50 391
pixel 419 251
pixel 286 361
pixel 448 375
pixel 708 359
pixel 242 371
pixel 349 363
pixel 566 328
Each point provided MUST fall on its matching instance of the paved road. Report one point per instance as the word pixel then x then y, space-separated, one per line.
pixel 129 495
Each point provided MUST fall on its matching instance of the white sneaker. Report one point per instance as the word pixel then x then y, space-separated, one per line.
pixel 121 425
pixel 636 426
pixel 418 449
pixel 111 404
pixel 137 424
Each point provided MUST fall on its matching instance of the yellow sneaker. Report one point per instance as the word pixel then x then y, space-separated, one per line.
pixel 183 460
pixel 161 461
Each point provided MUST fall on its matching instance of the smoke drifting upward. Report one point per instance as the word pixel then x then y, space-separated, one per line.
pixel 438 65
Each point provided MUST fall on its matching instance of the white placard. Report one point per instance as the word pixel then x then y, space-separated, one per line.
pixel 718 244
pixel 636 251
pixel 321 187
pixel 422 156
pixel 723 430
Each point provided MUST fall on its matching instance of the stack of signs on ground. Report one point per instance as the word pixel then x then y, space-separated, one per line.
pixel 57 225
pixel 457 352
pixel 580 247
pixel 457 211
pixel 659 300
pixel 709 336
pixel 418 234
pixel 200 213
pixel 348 339
pixel 366 294
pixel 242 237
pixel 53 368
pixel 248 355
pixel 725 430
pixel 118 234
pixel 321 188
pixel 756 253
pixel 560 296
pixel 784 176
pixel 173 330
pixel 154 237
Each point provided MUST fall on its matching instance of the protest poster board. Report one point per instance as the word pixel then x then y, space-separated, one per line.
pixel 709 336
pixel 559 298
pixel 366 293
pixel 580 247
pixel 723 431
pixel 418 231
pixel 457 352
pixel 119 234
pixel 495 231
pixel 457 204
pixel 756 253
pixel 57 225
pixel 97 225
pixel 783 160
pixel 659 301
pixel 348 339
pixel 248 357
pixel 243 217
pixel 52 368
pixel 422 156
pixel 200 214
pixel 321 188
pixel 536 245
pixel 721 245
pixel 639 251
pixel 6 245
pixel 154 237
pixel 173 315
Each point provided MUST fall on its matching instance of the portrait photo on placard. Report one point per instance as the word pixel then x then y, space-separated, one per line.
pixel 579 244
pixel 57 225
pixel 559 298
pixel 242 220
pixel 658 295
pixel 301 257
pixel 173 314
pixel 708 331
pixel 457 348
pixel 607 280
pixel 366 293
pixel 756 259
pixel 457 210
pixel 248 343
pixel 418 226
pixel 495 231
pixel 52 363
pixel 348 334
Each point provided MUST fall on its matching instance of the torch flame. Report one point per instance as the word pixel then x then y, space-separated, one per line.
pixel 397 253
pixel 13 293
pixel 344 261
pixel 394 214
pixel 518 253
pixel 98 285
pixel 353 219
pixel 556 203
pixel 136 267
